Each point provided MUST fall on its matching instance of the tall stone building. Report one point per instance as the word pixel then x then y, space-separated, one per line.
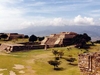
pixel 89 63
pixel 63 38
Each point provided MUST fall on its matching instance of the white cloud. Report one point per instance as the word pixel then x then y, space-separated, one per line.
pixel 57 22
pixel 96 11
pixel 78 20
pixel 83 20
pixel 10 1
pixel 36 4
pixel 21 23
pixel 26 24
pixel 6 11
pixel 10 12
pixel 44 22
pixel 11 17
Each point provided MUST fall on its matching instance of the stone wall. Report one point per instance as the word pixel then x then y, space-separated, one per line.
pixel 89 63
pixel 19 47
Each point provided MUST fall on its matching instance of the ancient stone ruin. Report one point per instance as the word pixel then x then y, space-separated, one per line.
pixel 12 36
pixel 89 63
pixel 5 47
pixel 63 38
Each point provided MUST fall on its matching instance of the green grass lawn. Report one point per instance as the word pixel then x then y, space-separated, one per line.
pixel 15 41
pixel 35 62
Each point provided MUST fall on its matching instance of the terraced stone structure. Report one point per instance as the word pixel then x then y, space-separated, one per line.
pixel 13 36
pixel 89 63
pixel 60 39
pixel 18 47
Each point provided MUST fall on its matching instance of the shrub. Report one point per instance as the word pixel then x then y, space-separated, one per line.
pixel 55 52
pixel 32 38
pixel 54 63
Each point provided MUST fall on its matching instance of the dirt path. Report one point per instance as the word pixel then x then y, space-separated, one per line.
pixel 12 73
pixel 18 66
pixel 30 71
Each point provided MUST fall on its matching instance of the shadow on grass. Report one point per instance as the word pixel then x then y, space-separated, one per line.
pixel 71 61
pixel 59 69
pixel 73 64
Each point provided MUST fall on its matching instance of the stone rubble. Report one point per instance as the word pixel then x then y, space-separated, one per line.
pixel 89 63
pixel 12 73
pixel 18 66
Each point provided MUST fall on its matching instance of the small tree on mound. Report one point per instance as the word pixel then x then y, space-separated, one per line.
pixel 55 52
pixel 60 54
pixel 54 63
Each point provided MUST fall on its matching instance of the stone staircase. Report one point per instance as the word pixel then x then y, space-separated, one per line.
pixel 51 41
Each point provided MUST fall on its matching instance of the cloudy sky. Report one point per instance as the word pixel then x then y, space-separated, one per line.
pixel 20 14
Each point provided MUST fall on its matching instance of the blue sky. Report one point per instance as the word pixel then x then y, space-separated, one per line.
pixel 20 14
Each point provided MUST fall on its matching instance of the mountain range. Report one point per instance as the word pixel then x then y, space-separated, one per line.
pixel 92 31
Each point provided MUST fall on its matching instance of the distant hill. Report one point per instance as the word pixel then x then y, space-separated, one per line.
pixel 92 31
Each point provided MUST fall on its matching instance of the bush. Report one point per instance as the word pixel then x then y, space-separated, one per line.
pixel 26 36
pixel 55 63
pixel 71 60
pixel 59 53
pixel 41 38
pixel 32 38
pixel 4 36
pixel 55 52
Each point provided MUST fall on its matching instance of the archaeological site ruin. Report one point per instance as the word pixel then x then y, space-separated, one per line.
pixel 60 39
pixel 4 47
pixel 89 63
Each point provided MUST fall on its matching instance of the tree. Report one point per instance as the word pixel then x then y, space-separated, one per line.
pixel 55 52
pixel 60 54
pixel 55 63
pixel 41 38
pixel 4 36
pixel 26 36
pixel 81 39
pixel 32 38
pixel 86 37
